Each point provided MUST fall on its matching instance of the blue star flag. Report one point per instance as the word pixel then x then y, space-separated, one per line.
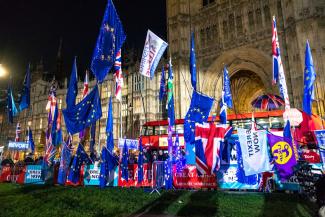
pixel 73 86
pixel 309 79
pixel 25 98
pixel 80 158
pixel 85 113
pixel 65 160
pixel 197 113
pixel 109 127
pixel 31 141
pixel 140 162
pixel 125 159
pixel 12 109
pixel 109 42
pixel 226 98
pixel 109 162
pixel 193 62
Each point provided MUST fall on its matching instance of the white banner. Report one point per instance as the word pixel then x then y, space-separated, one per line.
pixel 253 145
pixel 154 48
pixel 130 143
pixel 18 146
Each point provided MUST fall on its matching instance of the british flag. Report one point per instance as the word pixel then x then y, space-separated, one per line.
pixel 51 103
pixel 86 85
pixel 50 149
pixel 18 132
pixel 278 71
pixel 208 138
pixel 118 76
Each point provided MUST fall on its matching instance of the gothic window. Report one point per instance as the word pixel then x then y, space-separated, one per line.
pixel 209 34
pixel 202 36
pixel 138 82
pixel 259 18
pixel 214 31
pixel 225 30
pixel 279 10
pixel 124 106
pixel 207 2
pixel 231 24
pixel 251 21
pixel 239 25
pixel 267 15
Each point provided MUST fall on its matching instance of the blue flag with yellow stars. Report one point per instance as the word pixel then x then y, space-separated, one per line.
pixel 110 40
pixel 85 113
pixel 140 162
pixel 80 158
pixel 125 159
pixel 109 127
pixel 109 162
pixel 73 86
pixel 197 113
pixel 25 98
pixel 193 63
pixel 309 79
pixel 12 109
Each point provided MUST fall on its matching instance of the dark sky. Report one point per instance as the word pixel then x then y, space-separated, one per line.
pixel 31 29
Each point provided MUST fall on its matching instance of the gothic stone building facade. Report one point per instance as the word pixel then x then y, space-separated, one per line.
pixel 238 33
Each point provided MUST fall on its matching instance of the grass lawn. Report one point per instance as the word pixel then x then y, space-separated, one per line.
pixel 33 200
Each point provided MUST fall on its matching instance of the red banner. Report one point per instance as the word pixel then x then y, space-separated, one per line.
pixel 189 178
pixel 13 174
pixel 133 176
pixel 5 174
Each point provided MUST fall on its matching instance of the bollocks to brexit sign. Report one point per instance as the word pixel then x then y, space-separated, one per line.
pixel 18 146
pixel 154 48
pixel 320 136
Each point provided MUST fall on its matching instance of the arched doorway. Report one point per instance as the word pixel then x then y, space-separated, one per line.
pixel 245 87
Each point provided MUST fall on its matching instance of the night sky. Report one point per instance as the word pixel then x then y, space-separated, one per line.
pixel 30 30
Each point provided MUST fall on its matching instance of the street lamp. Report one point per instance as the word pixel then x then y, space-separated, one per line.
pixel 3 71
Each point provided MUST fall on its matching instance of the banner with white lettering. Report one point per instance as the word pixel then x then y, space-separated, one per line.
pixel 253 145
pixel 33 174
pixel 231 174
pixel 320 135
pixel 154 48
pixel 18 146
pixel 92 173
pixel 130 143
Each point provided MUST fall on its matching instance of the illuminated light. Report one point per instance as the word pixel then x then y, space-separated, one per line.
pixel 3 71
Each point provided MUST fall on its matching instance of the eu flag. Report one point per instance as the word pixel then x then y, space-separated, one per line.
pixel 31 141
pixel 85 113
pixel 109 162
pixel 12 110
pixel 56 128
pixel 80 158
pixel 25 98
pixel 226 98
pixel 309 79
pixel 140 162
pixel 65 160
pixel 193 62
pixel 170 96
pixel 162 91
pixel 287 131
pixel 73 86
pixel 110 40
pixel 197 113
pixel 125 159
pixel 109 127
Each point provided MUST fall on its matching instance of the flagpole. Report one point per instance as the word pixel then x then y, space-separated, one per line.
pixel 317 93
pixel 121 131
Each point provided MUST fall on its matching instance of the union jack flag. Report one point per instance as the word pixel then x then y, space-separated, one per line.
pixel 51 103
pixel 208 139
pixel 50 149
pixel 86 87
pixel 18 132
pixel 278 71
pixel 118 76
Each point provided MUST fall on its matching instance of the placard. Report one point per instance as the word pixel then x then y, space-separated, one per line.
pixel 33 174
pixel 18 146
pixel 131 143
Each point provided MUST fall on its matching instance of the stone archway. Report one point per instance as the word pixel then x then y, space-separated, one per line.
pixel 246 86
pixel 250 72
